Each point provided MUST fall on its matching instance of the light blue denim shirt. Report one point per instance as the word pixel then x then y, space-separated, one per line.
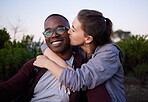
pixel 104 66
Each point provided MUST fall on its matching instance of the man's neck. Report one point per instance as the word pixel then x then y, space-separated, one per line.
pixel 66 55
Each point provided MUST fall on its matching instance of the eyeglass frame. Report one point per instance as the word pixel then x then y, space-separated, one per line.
pixel 55 31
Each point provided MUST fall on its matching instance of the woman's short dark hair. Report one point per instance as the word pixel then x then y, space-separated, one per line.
pixel 94 24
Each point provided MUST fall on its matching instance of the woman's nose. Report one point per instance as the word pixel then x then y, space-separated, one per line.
pixel 69 31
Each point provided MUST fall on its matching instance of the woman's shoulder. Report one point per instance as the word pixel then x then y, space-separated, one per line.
pixel 110 48
pixel 107 47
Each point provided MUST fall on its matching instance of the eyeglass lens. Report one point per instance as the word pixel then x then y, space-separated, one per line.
pixel 59 30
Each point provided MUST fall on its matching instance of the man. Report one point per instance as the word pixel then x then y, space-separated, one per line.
pixel 45 86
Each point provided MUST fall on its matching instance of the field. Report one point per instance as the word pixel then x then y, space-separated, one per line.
pixel 135 92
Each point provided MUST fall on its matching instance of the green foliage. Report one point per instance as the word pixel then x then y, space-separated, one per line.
pixel 11 61
pixel 15 54
pixel 135 50
pixel 35 47
pixel 4 38
pixel 141 72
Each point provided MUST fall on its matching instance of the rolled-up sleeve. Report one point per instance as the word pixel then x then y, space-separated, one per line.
pixel 101 67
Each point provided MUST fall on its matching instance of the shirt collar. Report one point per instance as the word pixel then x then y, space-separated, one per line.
pixel 70 62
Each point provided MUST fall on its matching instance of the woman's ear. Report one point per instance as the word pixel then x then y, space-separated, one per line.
pixel 88 39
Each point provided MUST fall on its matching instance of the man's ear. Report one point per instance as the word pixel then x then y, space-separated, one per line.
pixel 88 39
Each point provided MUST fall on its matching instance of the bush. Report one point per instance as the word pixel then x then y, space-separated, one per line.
pixel 4 38
pixel 14 54
pixel 11 61
pixel 135 50
pixel 141 72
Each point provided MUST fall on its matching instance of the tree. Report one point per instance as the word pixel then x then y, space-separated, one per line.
pixel 16 27
pixel 14 54
pixel 135 50
pixel 141 72
pixel 122 34
pixel 4 37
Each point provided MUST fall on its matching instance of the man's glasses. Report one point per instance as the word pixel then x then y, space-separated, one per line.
pixel 49 33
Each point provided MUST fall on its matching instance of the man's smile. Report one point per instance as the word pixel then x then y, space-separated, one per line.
pixel 56 42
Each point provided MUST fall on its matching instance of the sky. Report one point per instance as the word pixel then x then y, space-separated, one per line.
pixel 29 15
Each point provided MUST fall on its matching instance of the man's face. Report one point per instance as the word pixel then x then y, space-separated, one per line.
pixel 57 43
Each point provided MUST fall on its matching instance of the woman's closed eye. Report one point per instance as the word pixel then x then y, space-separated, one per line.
pixel 73 30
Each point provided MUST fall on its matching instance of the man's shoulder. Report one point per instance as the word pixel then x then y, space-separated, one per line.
pixel 30 62
pixel 79 53
pixel 78 60
pixel 28 66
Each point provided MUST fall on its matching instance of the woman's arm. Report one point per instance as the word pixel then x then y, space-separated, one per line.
pixel 95 72
pixel 56 69
pixel 54 57
pixel 101 67
pixel 98 69
pixel 44 62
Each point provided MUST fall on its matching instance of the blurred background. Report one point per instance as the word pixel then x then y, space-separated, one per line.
pixel 22 24
pixel 29 15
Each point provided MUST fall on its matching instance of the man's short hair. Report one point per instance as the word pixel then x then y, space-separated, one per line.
pixel 57 15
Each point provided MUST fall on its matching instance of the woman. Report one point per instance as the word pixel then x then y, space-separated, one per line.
pixel 92 32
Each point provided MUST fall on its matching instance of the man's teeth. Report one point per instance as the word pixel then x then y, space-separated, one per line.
pixel 57 42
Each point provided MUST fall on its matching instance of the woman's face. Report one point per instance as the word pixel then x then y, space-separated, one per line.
pixel 76 33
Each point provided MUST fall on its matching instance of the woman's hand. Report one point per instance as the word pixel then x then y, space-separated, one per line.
pixel 67 90
pixel 54 57
pixel 41 61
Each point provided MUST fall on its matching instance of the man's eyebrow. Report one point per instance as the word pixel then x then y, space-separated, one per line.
pixel 56 27
pixel 47 29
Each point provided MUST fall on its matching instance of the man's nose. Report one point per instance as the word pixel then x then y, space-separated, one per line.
pixel 54 34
